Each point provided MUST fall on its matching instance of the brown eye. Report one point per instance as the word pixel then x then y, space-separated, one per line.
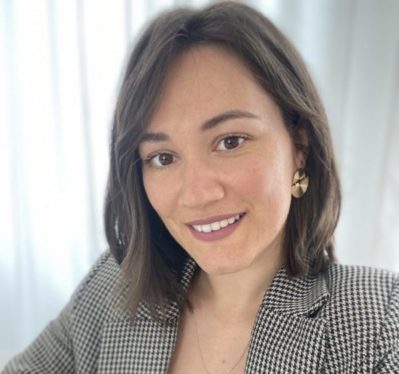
pixel 161 160
pixel 230 142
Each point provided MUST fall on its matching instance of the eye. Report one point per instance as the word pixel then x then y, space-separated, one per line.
pixel 159 160
pixel 230 142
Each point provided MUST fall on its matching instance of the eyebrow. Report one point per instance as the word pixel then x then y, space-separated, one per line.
pixel 207 125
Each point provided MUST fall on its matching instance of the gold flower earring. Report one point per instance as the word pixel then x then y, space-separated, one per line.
pixel 300 183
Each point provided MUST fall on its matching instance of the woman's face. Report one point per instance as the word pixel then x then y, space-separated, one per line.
pixel 217 150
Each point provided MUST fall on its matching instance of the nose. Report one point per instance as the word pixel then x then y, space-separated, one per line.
pixel 200 185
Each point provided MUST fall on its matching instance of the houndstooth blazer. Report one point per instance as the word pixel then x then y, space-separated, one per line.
pixel 344 321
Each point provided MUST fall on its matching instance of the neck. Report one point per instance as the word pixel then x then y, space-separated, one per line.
pixel 236 296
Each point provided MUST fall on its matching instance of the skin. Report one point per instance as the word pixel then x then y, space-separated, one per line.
pixel 241 165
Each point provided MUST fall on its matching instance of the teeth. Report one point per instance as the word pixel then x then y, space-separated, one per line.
pixel 224 223
pixel 215 226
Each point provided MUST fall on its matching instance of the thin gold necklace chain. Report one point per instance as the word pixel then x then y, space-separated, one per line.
pixel 202 356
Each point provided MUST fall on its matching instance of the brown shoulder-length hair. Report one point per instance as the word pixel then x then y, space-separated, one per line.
pixel 149 256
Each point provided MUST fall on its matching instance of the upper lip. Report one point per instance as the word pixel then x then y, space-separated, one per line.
pixel 209 220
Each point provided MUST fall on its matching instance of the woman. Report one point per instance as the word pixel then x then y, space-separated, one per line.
pixel 222 202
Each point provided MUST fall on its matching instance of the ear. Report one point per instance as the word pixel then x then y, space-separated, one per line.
pixel 301 143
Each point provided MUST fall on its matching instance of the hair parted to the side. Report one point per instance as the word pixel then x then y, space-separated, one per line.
pixel 150 258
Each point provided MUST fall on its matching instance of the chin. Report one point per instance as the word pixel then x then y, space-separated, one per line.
pixel 221 266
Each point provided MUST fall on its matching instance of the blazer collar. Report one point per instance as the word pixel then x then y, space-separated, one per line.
pixel 288 334
pixel 301 296
pixel 172 311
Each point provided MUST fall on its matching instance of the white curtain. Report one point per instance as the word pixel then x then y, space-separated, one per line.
pixel 60 65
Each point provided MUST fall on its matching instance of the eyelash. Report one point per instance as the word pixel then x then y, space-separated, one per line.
pixel 149 159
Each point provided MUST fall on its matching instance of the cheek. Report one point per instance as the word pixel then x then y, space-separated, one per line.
pixel 271 180
pixel 160 194
pixel 269 195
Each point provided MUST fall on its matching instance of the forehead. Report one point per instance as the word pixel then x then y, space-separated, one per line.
pixel 212 63
pixel 203 82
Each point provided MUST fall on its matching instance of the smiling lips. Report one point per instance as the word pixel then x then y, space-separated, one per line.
pixel 215 228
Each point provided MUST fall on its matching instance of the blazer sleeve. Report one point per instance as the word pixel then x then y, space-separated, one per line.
pixel 388 343
pixel 52 351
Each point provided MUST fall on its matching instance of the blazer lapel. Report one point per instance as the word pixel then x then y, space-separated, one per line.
pixel 144 346
pixel 288 335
